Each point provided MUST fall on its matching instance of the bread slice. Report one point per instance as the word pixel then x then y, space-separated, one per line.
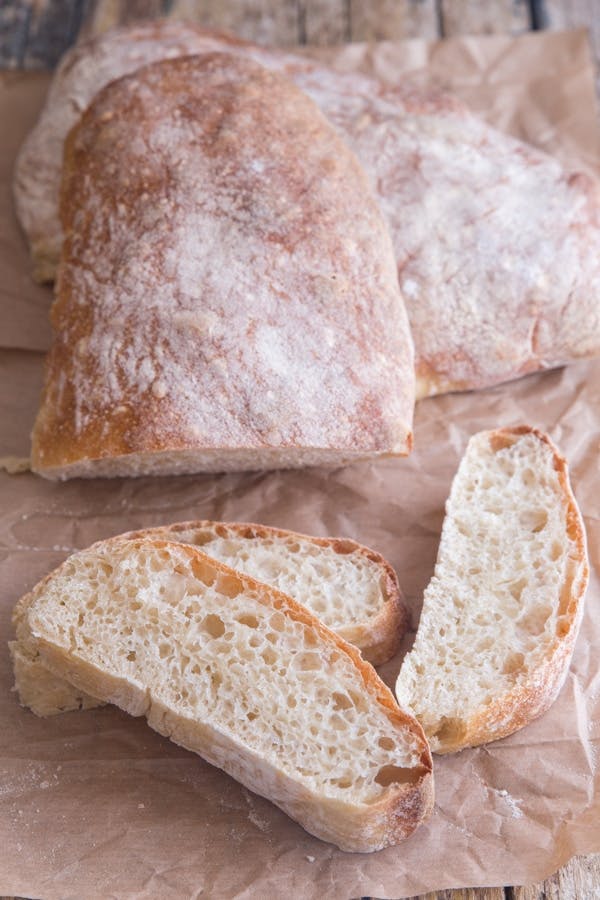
pixel 352 589
pixel 240 673
pixel 501 613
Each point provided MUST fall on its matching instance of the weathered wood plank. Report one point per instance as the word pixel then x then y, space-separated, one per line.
pixel 53 27
pixel 494 17
pixel 264 21
pixel 496 893
pixel 377 20
pixel 14 27
pixel 324 22
pixel 104 14
pixel 579 879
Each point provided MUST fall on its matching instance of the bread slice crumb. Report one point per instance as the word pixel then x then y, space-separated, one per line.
pixel 502 611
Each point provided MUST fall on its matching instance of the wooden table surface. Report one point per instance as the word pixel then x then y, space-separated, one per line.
pixel 35 33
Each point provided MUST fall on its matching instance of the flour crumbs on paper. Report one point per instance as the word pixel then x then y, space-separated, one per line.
pixel 515 810
pixel 262 824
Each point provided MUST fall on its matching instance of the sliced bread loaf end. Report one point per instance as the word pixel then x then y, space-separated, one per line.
pixel 501 613
pixel 243 675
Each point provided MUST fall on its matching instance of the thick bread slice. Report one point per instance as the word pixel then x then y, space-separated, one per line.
pixel 501 613
pixel 243 675
pixel 352 589
pixel 275 336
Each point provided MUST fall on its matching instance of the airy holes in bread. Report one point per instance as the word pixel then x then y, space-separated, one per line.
pixel 450 730
pixel 307 662
pixel 513 663
pixel 397 775
pixel 341 701
pixel 213 625
pixel 534 520
pixel 534 622
pixel 202 570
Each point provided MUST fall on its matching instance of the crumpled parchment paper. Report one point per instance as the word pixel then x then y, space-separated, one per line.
pixel 95 804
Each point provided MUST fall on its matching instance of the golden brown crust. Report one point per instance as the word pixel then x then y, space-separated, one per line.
pixel 221 245
pixel 525 703
pixel 366 828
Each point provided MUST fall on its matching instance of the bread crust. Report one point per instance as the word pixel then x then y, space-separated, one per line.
pixel 227 297
pixel 525 702
pixel 354 827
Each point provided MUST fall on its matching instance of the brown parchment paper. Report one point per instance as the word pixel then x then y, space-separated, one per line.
pixel 95 804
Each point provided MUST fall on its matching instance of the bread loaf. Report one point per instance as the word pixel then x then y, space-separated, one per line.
pixel 501 613
pixel 243 675
pixel 227 298
pixel 497 246
pixel 350 588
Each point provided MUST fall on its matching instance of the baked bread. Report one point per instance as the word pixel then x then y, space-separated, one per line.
pixel 238 672
pixel 511 287
pixel 501 613
pixel 84 70
pixel 350 588
pixel 227 298
pixel 353 590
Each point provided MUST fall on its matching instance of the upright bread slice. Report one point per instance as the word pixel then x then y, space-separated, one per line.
pixel 240 673
pixel 512 288
pixel 501 613
pixel 352 589
pixel 228 297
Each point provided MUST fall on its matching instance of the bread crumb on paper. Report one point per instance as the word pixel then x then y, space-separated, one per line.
pixel 15 465
pixel 515 810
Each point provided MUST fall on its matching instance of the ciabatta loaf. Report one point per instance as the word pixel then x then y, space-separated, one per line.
pixel 241 674
pixel 513 287
pixel 351 589
pixel 228 297
pixel 501 613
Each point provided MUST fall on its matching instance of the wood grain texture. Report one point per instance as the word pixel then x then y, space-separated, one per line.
pixel 475 17
pixel 377 20
pixel 324 22
pixel 100 15
pixel 579 879
pixel 53 27
pixel 494 893
pixel 263 21
pixel 14 28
